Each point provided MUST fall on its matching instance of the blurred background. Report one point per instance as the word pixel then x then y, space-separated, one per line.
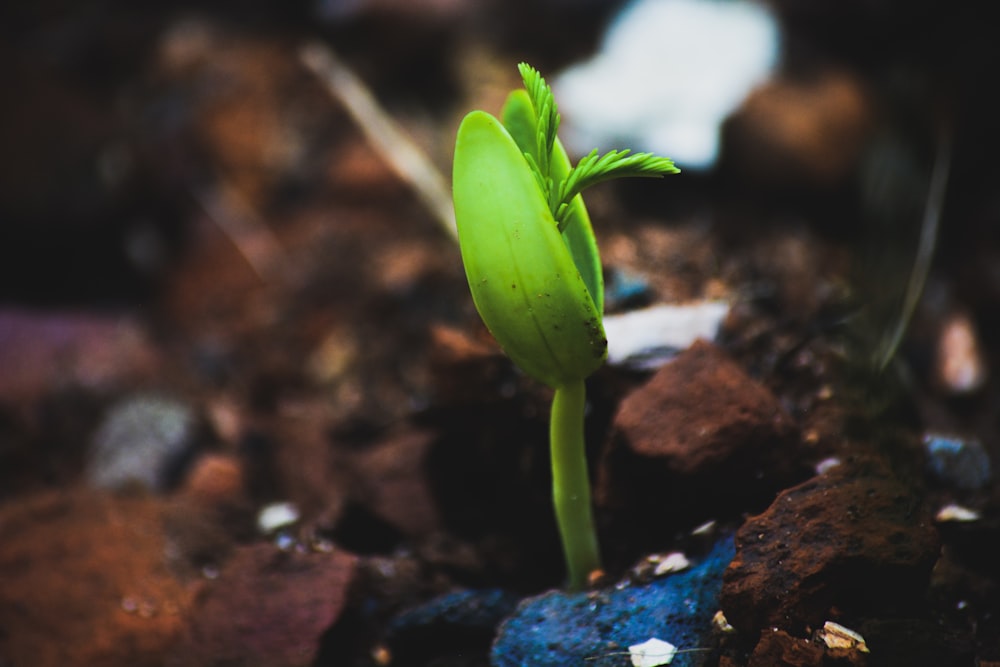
pixel 162 165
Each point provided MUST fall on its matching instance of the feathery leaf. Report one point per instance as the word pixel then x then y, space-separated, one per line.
pixel 592 169
pixel 546 113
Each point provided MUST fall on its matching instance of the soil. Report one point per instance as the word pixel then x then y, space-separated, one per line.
pixel 204 260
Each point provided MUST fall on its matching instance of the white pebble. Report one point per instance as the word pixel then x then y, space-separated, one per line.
pixel 276 516
pixel 835 635
pixel 652 653
pixel 955 512
pixel 672 562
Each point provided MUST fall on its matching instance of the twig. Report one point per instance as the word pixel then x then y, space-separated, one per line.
pixel 925 250
pixel 244 228
pixel 383 133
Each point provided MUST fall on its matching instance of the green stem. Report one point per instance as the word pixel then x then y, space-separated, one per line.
pixel 571 484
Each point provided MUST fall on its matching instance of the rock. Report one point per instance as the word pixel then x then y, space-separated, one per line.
pixel 465 370
pixel 216 481
pixel 393 483
pixel 958 462
pixel 267 607
pixel 559 628
pixel 87 581
pixel 797 132
pixel 922 642
pixel 960 366
pixel 624 289
pixel 39 351
pixel 777 648
pixel 456 623
pixel 652 653
pixel 144 440
pixel 700 437
pixel 854 538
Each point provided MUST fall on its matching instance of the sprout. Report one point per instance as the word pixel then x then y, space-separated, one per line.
pixel 534 271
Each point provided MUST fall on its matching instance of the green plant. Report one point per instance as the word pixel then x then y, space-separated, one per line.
pixel 535 272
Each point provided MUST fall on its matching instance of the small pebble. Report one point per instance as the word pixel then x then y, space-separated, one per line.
pixel 961 368
pixel 215 480
pixel 672 562
pixel 623 288
pixel 827 464
pixel 276 516
pixel 835 635
pixel 722 624
pixel 143 440
pixel 958 513
pixel 381 656
pixel 959 462
pixel 652 653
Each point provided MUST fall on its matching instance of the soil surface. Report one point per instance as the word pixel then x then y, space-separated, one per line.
pixel 249 415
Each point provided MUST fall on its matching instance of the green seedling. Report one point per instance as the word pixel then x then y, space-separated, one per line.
pixel 535 273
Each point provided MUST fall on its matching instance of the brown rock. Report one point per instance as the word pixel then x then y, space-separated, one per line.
pixel 801 131
pixel 920 642
pixel 394 486
pixel 853 538
pixel 215 481
pixel 465 369
pixel 777 648
pixel 268 607
pixel 699 437
pixel 61 348
pixel 86 582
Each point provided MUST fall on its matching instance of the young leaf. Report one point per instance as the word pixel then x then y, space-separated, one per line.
pixel 519 118
pixel 592 169
pixel 546 115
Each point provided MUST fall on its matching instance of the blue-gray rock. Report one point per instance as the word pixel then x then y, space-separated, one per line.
pixel 143 440
pixel 596 628
pixel 463 622
pixel 623 288
pixel 963 464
